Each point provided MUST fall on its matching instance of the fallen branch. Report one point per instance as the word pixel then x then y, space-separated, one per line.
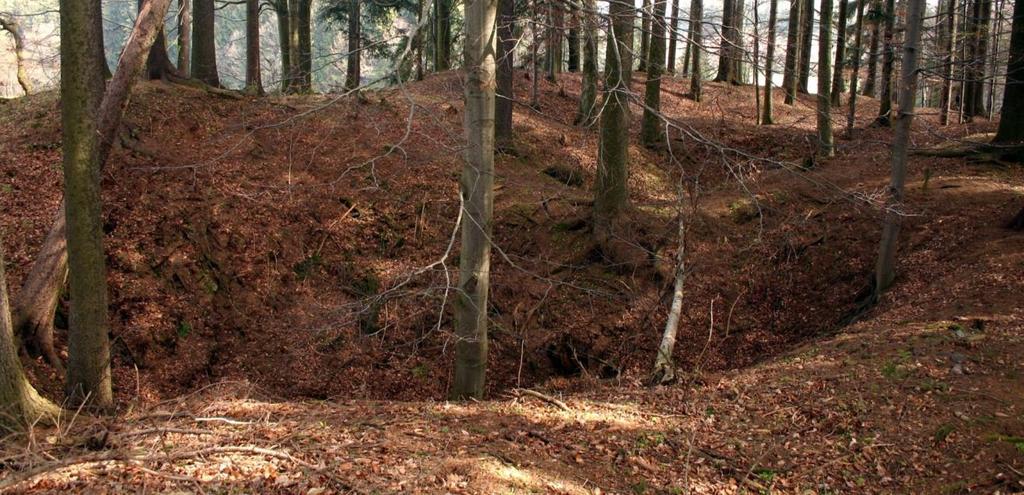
pixel 546 398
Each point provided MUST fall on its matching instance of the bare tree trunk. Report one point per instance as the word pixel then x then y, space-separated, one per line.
pixel 184 38
pixel 11 26
pixel 825 143
pixel 697 42
pixel 442 35
pixel 587 111
pixel 421 14
pixel 996 34
pixel 284 40
pixel 855 76
pixel 837 73
pixel 870 80
pixel 158 63
pixel 645 36
pixel 352 68
pixel 1011 116
pixel 651 131
pixel 949 59
pixel 767 117
pixel 305 49
pixel 20 404
pixel 204 46
pixel 673 31
pixel 885 271
pixel 739 51
pixel 534 59
pixel 503 107
pixel 478 198
pixel 572 38
pixel 888 60
pixel 253 78
pixel 790 76
pixel 40 293
pixel 728 43
pixel 806 35
pixel 664 368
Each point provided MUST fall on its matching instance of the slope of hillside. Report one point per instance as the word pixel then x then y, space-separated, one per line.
pixel 297 248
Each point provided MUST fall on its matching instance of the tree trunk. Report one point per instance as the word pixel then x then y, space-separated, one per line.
pixel 421 15
pixel 673 36
pixel 885 271
pixel 645 36
pixel 184 38
pixel 11 26
pixel 870 80
pixel 204 46
pixel 725 50
pixel 40 293
pixel 572 39
pixel 767 117
pixel 664 368
pixel 697 40
pixel 686 51
pixel 158 63
pixel 503 104
pixel 587 111
pixel 855 76
pixel 1011 116
pixel 253 79
pixel 790 75
pixel 478 196
pixel 976 107
pixel 88 377
pixel 352 68
pixel 99 49
pixel 611 196
pixel 651 130
pixel 840 61
pixel 888 59
pixel 990 103
pixel 949 59
pixel 825 144
pixel 442 35
pixel 20 404
pixel 806 34
pixel 284 40
pixel 738 51
pixel 305 50
pixel 553 54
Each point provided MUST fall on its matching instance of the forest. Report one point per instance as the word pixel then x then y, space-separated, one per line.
pixel 512 246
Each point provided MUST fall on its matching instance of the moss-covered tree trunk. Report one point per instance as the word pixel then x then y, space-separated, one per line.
pixel 885 268
pixel 611 194
pixel 478 201
pixel 790 75
pixel 651 129
pixel 20 404
pixel 503 103
pixel 840 61
pixel 767 117
pixel 825 143
pixel 806 36
pixel 1011 117
pixel 697 40
pixel 88 374
pixel 884 118
pixel 204 45
pixel 587 111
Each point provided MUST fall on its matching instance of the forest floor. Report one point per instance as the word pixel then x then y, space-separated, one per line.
pixel 280 301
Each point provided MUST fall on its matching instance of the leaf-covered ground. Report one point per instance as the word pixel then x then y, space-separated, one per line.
pixel 278 274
